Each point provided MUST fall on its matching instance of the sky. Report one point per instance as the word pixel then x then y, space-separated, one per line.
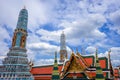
pixel 87 24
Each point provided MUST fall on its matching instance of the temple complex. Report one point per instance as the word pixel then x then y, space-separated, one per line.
pixel 78 67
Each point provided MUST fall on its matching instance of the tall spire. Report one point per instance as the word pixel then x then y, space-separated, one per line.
pixel 62 41
pixel 96 56
pixel 20 34
pixel 63 51
pixel 99 73
pixel 55 74
pixel 22 19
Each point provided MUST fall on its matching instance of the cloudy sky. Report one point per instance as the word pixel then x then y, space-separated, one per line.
pixel 87 24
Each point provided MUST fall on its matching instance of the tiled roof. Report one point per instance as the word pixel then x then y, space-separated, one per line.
pixel 44 69
pixel 41 72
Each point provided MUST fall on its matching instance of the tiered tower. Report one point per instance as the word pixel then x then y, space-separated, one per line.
pixel 63 51
pixel 99 72
pixel 55 73
pixel 15 65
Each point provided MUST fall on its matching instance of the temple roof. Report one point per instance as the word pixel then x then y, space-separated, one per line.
pixel 44 69
pixel 77 64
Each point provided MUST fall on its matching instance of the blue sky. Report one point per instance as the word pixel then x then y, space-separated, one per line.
pixel 88 24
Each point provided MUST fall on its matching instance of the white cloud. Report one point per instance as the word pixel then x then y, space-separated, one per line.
pixel 43 48
pixel 49 35
pixel 3 35
pixel 115 63
pixel 87 29
pixel 115 18
pixel 9 12
pixel 103 54
pixel 115 53
pixel 79 20
pixel 91 49
pixel 1 58
pixel 44 62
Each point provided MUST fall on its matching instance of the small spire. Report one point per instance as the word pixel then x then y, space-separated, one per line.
pixel 96 56
pixel 96 52
pixel 109 53
pixel 99 72
pixel 55 72
pixel 55 54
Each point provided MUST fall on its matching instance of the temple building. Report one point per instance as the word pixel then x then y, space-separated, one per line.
pixel 63 51
pixel 78 67
pixel 15 64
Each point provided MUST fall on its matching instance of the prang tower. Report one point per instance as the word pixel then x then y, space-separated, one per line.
pixel 15 64
pixel 63 51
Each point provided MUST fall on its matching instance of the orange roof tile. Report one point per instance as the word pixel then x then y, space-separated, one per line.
pixel 102 64
pixel 44 69
pixel 89 60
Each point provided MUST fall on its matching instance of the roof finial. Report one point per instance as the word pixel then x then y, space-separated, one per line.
pixel 96 53
pixel 109 53
pixel 55 54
